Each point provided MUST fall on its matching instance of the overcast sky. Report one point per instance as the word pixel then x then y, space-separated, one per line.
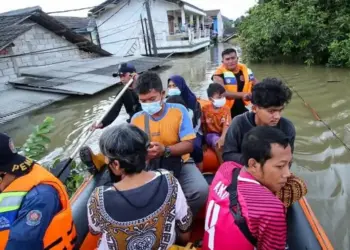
pixel 229 8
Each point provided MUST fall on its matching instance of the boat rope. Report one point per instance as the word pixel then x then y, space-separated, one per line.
pixel 313 111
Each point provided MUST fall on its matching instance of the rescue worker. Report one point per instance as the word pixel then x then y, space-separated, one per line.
pixel 129 99
pixel 132 105
pixel 34 205
pixel 244 209
pixel 237 79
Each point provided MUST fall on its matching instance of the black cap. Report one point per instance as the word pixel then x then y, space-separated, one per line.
pixel 10 161
pixel 125 68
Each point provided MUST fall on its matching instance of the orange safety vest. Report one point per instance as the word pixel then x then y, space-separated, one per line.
pixel 230 81
pixel 61 233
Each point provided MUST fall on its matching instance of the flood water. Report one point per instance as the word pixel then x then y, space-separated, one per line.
pixel 320 158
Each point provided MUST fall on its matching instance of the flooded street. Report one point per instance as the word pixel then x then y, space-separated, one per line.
pixel 320 158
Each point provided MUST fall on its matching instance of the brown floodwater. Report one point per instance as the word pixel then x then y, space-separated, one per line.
pixel 319 157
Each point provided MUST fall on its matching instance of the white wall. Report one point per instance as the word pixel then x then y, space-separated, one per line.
pixel 220 25
pixel 122 30
pixel 114 33
pixel 124 25
pixel 39 39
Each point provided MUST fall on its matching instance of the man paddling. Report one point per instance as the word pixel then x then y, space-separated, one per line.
pixel 129 99
pixel 35 213
pixel 237 79
pixel 269 98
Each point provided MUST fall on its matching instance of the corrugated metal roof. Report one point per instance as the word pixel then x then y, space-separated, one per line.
pixel 11 21
pixel 77 23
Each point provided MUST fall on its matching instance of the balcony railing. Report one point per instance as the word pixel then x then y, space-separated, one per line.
pixel 190 34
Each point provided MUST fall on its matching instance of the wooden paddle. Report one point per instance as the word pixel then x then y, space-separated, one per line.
pixel 62 169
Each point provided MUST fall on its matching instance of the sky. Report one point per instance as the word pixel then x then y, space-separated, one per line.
pixel 229 8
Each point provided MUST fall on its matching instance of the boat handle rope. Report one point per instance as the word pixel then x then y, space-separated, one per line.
pixel 313 111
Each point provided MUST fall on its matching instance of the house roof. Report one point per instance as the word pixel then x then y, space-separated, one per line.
pixel 226 19
pixel 78 24
pixel 212 12
pixel 104 4
pixel 12 24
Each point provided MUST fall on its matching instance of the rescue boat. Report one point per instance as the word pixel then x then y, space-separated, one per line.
pixel 304 230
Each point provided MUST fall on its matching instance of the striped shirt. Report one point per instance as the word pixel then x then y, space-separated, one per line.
pixel 264 213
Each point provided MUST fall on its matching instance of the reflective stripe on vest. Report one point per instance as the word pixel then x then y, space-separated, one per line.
pixel 11 201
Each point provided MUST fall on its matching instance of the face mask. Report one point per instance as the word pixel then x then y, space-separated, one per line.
pixel 218 103
pixel 152 107
pixel 174 91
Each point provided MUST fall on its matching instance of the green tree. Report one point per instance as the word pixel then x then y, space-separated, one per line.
pixel 309 31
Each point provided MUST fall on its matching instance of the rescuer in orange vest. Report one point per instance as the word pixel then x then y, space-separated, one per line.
pixel 237 79
pixel 34 205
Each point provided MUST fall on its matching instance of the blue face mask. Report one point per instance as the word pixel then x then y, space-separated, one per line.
pixel 174 91
pixel 151 108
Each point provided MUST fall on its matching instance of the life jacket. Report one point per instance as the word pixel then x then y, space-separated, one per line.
pixel 61 233
pixel 231 82
pixel 225 227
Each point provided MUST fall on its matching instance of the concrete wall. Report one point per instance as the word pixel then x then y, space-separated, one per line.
pixel 39 39
pixel 7 68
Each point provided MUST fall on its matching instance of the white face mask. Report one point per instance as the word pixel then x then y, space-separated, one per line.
pixel 218 103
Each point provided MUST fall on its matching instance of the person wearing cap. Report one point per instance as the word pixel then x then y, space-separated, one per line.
pixel 129 99
pixel 34 205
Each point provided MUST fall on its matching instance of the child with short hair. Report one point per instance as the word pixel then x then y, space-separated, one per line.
pixel 216 118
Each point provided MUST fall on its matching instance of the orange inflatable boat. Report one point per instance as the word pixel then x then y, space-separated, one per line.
pixel 304 230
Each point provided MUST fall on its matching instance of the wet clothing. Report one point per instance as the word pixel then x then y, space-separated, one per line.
pixel 240 81
pixel 131 103
pixel 243 214
pixel 172 127
pixel 139 218
pixel 35 213
pixel 240 125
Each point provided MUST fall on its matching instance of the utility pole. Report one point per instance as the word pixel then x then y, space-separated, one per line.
pixel 151 27
pixel 144 35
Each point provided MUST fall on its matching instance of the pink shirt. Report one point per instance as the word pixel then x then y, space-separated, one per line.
pixel 263 211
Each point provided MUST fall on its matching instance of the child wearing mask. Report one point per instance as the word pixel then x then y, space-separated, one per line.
pixel 216 119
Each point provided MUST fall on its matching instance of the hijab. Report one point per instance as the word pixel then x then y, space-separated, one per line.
pixel 186 94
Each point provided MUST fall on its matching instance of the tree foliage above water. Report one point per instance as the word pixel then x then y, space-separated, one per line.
pixel 309 31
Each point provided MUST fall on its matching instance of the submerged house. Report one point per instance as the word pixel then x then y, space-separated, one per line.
pixel 84 26
pixel 178 27
pixel 216 22
pixel 30 37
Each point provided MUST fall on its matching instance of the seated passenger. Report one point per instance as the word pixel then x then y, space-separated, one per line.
pixel 243 211
pixel 269 98
pixel 197 153
pixel 144 209
pixel 177 87
pixel 35 213
pixel 216 119
pixel 171 134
